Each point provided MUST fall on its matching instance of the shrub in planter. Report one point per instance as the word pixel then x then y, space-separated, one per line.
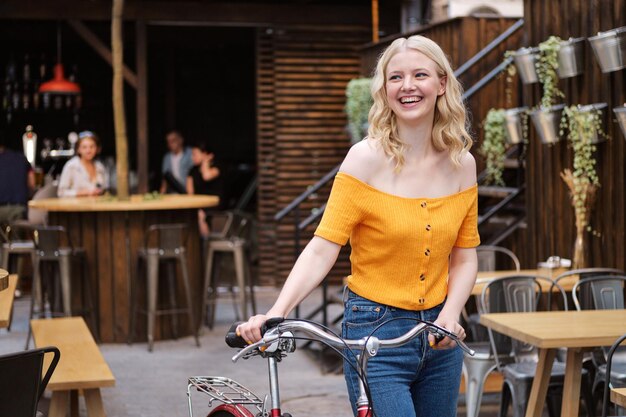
pixel 358 103
pixel 493 147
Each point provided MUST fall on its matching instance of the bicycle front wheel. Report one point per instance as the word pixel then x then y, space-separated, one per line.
pixel 230 410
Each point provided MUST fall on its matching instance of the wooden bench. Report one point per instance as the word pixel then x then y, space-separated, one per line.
pixel 81 366
pixel 6 301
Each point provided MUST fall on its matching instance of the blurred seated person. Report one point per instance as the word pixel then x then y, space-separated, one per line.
pixel 83 175
pixel 204 178
pixel 176 164
pixel 17 182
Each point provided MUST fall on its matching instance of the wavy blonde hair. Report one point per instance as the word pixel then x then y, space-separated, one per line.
pixel 450 125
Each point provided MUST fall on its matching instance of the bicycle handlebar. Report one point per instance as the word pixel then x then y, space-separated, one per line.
pixel 371 343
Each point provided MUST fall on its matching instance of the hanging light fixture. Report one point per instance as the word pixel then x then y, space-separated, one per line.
pixel 59 84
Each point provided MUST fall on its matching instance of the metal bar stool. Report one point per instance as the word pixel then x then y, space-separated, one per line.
pixel 54 246
pixel 235 239
pixel 171 240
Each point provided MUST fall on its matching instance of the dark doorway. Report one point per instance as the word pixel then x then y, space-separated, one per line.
pixel 202 82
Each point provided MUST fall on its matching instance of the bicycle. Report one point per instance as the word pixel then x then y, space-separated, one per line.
pixel 278 341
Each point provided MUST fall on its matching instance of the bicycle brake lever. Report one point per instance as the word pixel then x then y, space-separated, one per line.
pixel 266 341
pixel 441 332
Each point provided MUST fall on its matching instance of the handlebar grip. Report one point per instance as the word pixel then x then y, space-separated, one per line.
pixel 232 339
pixel 271 323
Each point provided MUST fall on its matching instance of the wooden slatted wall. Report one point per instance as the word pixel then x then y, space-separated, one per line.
pixel 301 80
pixel 551 218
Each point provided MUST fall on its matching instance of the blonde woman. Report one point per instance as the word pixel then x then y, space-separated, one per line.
pixel 406 198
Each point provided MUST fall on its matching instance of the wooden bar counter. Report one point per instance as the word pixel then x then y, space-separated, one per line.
pixel 111 232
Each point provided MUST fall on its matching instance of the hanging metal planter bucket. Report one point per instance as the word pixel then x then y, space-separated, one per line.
pixel 610 49
pixel 547 122
pixel 515 119
pixel 620 113
pixel 525 59
pixel 571 57
pixel 599 107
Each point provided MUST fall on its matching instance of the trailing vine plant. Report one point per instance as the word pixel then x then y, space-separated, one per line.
pixel 493 147
pixel 582 181
pixel 358 103
pixel 547 65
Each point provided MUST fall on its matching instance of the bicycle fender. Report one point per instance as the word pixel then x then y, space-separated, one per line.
pixel 230 410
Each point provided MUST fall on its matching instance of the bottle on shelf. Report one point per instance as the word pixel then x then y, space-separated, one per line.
pixel 15 96
pixel 26 72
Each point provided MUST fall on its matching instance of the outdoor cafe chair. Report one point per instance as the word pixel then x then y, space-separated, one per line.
pixel 163 242
pixel 476 368
pixel 582 273
pixel 607 293
pixel 608 384
pixel 523 293
pixel 21 381
pixel 54 247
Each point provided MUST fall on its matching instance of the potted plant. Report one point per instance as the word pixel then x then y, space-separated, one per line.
pixel 582 128
pixel 358 103
pixel 493 147
pixel 525 59
pixel 546 118
pixel 608 49
pixel 571 57
pixel 569 54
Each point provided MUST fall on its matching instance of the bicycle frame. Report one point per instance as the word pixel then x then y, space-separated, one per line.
pixel 279 341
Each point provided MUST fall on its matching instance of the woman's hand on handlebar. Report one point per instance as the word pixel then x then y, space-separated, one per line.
pixel 250 331
pixel 449 324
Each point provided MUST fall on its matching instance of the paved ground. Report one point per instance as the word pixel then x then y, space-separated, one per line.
pixel 154 384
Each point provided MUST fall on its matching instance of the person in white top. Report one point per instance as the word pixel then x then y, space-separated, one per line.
pixel 83 175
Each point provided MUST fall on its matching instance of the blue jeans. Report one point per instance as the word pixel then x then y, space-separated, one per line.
pixel 413 380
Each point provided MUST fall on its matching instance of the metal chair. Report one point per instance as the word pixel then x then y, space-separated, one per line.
pixel 523 293
pixel 606 293
pixel 476 368
pixel 234 238
pixel 21 381
pixel 583 273
pixel 164 242
pixel 607 383
pixel 18 242
pixel 53 247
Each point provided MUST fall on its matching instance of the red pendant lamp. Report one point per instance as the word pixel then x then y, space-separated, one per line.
pixel 59 84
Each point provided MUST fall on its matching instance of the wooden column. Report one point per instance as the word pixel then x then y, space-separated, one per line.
pixel 142 107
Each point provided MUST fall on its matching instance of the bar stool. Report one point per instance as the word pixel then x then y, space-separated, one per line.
pixel 234 238
pixel 53 245
pixel 171 240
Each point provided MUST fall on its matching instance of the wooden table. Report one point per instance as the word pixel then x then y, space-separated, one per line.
pixel 81 366
pixel 483 277
pixel 6 301
pixel 111 232
pixel 618 396
pixel 550 330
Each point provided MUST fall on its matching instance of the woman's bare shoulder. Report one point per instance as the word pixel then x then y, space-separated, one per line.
pixel 363 159
pixel 467 170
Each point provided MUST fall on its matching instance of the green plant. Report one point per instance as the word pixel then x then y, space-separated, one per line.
pixel 511 72
pixel 493 147
pixel 582 128
pixel 547 65
pixel 358 104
